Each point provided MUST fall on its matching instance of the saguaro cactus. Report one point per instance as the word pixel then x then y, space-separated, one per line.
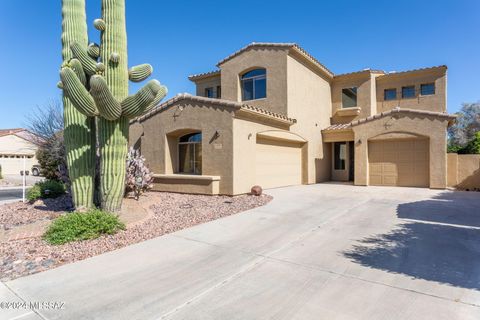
pixel 79 131
pixel 100 89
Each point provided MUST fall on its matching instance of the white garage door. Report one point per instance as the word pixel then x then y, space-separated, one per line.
pixel 399 163
pixel 12 164
pixel 278 164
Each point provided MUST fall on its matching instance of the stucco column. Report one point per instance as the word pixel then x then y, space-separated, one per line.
pixel 361 159
pixel 438 161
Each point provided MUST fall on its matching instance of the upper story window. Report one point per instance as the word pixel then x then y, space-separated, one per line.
pixel 408 92
pixel 209 92
pixel 390 94
pixel 349 97
pixel 190 153
pixel 254 84
pixel 427 89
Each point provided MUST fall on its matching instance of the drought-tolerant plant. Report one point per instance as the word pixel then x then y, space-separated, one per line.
pixel 139 177
pixel 1 176
pixel 82 226
pixel 95 78
pixel 46 189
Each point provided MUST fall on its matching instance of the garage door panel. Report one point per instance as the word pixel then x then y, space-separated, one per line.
pixel 278 164
pixel 399 162
pixel 14 164
pixel 389 180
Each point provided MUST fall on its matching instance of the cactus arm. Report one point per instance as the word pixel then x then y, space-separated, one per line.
pixel 78 69
pixel 160 95
pixel 108 107
pixel 140 72
pixel 93 51
pixel 139 102
pixel 99 24
pixel 76 92
pixel 79 52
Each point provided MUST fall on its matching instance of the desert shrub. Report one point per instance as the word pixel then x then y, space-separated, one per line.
pixel 139 177
pixel 34 193
pixel 78 226
pixel 46 189
pixel 51 157
pixel 1 176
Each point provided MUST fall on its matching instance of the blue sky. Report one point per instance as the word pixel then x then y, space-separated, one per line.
pixel 180 38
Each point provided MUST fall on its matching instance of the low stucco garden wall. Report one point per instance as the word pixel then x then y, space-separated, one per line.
pixel 463 171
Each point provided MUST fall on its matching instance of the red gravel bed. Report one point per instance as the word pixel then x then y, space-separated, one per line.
pixel 170 212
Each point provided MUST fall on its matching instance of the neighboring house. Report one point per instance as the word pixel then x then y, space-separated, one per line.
pixel 15 145
pixel 272 115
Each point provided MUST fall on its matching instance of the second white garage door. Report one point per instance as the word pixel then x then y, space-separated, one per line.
pixel 278 163
pixel 399 162
pixel 12 164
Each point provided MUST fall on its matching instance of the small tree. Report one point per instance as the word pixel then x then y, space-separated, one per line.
pixel 139 177
pixel 51 157
pixel 465 127
pixel 472 147
pixel 46 122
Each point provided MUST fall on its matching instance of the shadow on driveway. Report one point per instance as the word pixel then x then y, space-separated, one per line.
pixel 460 208
pixel 422 249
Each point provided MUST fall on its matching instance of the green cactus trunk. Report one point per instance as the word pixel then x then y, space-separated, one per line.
pixel 100 89
pixel 79 129
pixel 113 134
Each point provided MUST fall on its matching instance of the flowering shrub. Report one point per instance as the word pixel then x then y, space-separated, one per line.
pixel 139 177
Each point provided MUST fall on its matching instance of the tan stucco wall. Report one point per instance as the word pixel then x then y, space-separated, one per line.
pixel 425 126
pixel 210 82
pixel 11 144
pixel 187 184
pixel 436 102
pixel 309 102
pixel 161 132
pixel 463 170
pixel 365 83
pixel 244 142
pixel 274 60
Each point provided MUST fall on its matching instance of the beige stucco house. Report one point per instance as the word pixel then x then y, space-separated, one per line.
pixel 17 148
pixel 272 115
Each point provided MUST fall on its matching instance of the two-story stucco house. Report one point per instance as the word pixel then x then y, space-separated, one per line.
pixel 272 115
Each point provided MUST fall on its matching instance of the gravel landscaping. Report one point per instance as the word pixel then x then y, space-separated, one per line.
pixel 168 212
pixel 18 213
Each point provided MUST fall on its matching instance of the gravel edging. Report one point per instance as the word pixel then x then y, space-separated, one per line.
pixel 168 212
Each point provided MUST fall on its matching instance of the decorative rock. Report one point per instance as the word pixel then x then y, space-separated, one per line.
pixel 256 191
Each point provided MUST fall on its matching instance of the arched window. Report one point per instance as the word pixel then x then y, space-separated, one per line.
pixel 254 84
pixel 190 153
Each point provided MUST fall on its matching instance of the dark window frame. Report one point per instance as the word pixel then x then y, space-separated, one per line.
pixel 423 87
pixel 192 142
pixel 386 97
pixel 348 92
pixel 209 92
pixel 407 89
pixel 254 76
pixel 219 92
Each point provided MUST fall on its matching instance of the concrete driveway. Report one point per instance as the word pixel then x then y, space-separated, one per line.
pixel 324 251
